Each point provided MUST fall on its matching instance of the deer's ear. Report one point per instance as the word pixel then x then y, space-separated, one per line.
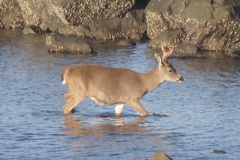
pixel 158 59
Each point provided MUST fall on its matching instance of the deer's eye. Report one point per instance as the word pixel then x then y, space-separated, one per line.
pixel 170 70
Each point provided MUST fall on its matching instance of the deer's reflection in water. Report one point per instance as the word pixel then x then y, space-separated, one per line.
pixel 117 135
pixel 116 125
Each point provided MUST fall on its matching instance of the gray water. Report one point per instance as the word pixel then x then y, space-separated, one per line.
pixel 188 120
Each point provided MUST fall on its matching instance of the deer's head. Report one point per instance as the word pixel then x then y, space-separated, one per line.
pixel 166 70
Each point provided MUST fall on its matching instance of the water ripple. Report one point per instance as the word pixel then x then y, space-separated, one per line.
pixel 188 120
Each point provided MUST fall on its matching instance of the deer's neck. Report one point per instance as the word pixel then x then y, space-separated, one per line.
pixel 152 79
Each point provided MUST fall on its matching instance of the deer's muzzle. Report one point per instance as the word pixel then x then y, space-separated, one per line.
pixel 180 79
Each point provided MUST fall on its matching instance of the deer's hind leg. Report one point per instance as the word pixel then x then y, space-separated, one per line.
pixel 72 100
pixel 118 109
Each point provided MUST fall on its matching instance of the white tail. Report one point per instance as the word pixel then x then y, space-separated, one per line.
pixel 107 85
pixel 64 77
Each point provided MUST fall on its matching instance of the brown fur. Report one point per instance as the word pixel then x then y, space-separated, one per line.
pixel 107 85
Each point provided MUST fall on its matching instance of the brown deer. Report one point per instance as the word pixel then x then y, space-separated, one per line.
pixel 107 85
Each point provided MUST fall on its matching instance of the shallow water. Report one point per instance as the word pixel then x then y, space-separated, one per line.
pixel 188 120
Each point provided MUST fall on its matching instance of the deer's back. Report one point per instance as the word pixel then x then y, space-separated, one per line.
pixel 107 84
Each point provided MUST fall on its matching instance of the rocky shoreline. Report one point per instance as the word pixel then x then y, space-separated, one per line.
pixel 187 25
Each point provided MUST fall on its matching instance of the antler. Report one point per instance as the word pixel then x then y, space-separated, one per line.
pixel 166 54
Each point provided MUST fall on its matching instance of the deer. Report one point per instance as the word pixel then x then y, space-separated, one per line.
pixel 116 86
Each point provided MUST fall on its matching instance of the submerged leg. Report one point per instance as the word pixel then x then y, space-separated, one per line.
pixel 72 101
pixel 118 109
pixel 139 108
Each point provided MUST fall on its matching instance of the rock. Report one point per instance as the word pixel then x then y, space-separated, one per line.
pixel 104 19
pixel 131 24
pixel 28 30
pixel 160 156
pixel 167 38
pixel 32 30
pixel 139 37
pixel 96 19
pixel 44 14
pixel 10 15
pixel 234 52
pixel 219 151
pixel 59 43
pixel 210 25
pixel 82 12
pixel 126 42
pixel 188 48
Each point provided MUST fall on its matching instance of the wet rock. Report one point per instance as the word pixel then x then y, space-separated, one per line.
pixel 32 30
pixel 188 48
pixel 139 37
pixel 161 156
pixel 131 24
pixel 10 15
pixel 166 38
pixel 95 19
pixel 219 151
pixel 210 25
pixel 102 20
pixel 126 42
pixel 28 30
pixel 82 12
pixel 234 52
pixel 59 43
pixel 44 14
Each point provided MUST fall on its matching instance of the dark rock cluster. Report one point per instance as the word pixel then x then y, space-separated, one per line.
pixel 59 43
pixel 206 24
pixel 187 25
pixel 104 19
pixel 11 16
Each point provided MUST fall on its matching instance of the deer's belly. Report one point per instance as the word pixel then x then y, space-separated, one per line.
pixel 106 101
pixel 99 101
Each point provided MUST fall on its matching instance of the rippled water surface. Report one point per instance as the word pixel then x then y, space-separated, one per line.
pixel 188 120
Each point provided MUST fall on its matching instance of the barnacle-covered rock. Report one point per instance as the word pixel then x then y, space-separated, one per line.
pixel 118 27
pixel 171 38
pixel 82 12
pixel 234 52
pixel 210 25
pixel 105 19
pixel 44 14
pixel 10 15
pixel 126 42
pixel 68 44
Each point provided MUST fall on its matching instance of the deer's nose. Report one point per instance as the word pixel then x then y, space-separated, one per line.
pixel 180 79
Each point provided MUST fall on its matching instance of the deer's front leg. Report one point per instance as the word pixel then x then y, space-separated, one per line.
pixel 72 100
pixel 139 108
